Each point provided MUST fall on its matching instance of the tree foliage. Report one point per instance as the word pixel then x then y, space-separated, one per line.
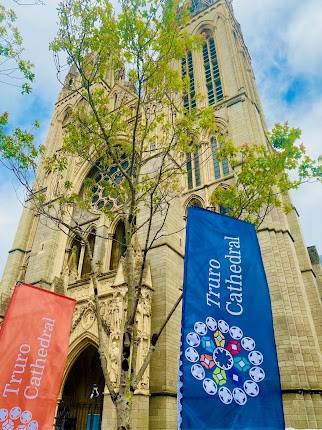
pixel 15 70
pixel 263 175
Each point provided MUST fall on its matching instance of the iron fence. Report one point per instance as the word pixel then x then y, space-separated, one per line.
pixel 79 415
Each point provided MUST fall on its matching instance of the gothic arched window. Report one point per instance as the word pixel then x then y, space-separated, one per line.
pixel 221 168
pixel 212 73
pixel 193 170
pixel 118 245
pixel 79 262
pixel 189 98
pixel 194 202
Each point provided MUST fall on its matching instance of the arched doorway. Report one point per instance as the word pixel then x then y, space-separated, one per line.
pixel 82 399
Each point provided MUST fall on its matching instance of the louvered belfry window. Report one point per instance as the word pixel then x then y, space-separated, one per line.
pixel 212 73
pixel 189 103
pixel 189 98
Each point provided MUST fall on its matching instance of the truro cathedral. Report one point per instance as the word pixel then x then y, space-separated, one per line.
pixel 222 72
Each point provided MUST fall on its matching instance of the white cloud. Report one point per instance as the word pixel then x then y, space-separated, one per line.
pixel 303 38
pixel 284 40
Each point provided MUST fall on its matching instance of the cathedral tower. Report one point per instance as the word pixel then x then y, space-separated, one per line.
pixel 222 74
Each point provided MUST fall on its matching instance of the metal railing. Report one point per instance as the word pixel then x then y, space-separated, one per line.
pixel 80 415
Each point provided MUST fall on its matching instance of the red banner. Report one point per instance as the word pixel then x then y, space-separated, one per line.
pixel 34 340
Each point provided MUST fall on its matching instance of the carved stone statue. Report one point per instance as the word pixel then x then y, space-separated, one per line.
pixel 114 359
pixel 72 264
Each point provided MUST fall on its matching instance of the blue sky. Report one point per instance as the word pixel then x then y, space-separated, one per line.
pixel 284 40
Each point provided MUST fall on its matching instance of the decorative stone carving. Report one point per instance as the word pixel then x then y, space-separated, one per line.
pixel 112 312
pixel 114 355
pixel 89 315
pixel 78 313
pixel 71 268
pixel 88 319
pixel 145 343
pixel 143 319
pixel 84 314
pixel 116 317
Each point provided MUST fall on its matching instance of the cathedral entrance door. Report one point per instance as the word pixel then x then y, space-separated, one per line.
pixel 82 400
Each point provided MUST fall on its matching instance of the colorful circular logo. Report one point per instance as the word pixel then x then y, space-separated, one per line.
pixel 16 419
pixel 225 361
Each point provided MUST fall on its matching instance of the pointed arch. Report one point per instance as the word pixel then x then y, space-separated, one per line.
pixel 75 349
pixel 83 377
pixel 193 200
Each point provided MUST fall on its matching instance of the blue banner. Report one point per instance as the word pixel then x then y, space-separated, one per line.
pixel 228 375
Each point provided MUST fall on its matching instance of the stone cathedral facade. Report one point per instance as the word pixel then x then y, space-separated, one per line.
pixel 223 73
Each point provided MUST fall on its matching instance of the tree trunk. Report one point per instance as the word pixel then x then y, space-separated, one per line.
pixel 123 413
